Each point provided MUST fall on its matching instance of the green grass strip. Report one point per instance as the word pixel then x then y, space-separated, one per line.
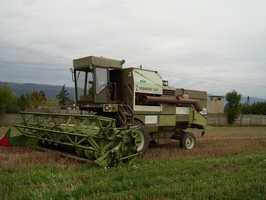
pixel 237 177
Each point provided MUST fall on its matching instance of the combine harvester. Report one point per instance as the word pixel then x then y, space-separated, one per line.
pixel 122 110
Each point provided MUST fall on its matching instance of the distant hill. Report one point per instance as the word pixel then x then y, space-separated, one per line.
pixel 50 91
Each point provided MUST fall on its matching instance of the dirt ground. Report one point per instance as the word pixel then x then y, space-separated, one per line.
pixel 221 142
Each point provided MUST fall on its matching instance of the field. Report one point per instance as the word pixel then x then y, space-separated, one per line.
pixel 227 163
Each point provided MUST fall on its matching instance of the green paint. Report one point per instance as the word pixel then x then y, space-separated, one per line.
pixel 92 136
pixel 17 140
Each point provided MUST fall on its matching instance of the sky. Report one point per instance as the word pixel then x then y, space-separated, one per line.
pixel 209 45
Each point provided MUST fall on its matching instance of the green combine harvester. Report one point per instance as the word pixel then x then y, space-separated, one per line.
pixel 122 110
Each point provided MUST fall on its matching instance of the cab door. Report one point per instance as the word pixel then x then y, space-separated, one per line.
pixel 101 94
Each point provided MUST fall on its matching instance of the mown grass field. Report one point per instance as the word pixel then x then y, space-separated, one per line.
pixel 227 163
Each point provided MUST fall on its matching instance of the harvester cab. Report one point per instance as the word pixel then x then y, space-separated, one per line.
pixel 122 111
pixel 96 80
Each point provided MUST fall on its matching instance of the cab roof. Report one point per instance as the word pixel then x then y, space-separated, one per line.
pixel 97 61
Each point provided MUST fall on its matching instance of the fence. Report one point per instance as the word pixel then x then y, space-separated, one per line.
pixel 7 119
pixel 221 119
pixel 213 118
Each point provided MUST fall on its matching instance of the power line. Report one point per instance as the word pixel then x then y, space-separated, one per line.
pixel 35 67
pixel 48 67
pixel 31 63
pixel 174 74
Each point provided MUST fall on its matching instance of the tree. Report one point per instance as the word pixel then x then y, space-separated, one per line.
pixel 35 99
pixel 256 108
pixel 23 101
pixel 13 106
pixel 42 96
pixel 246 108
pixel 62 96
pixel 6 97
pixel 233 107
pixel 52 103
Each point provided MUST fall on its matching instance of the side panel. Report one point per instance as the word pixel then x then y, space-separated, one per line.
pixel 167 120
pixel 182 114
pixel 148 109
pixel 148 82
pixel 197 118
pixel 150 121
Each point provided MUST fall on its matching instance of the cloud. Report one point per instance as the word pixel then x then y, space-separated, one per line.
pixel 207 45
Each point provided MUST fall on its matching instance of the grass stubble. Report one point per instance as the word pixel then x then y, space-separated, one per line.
pixel 227 163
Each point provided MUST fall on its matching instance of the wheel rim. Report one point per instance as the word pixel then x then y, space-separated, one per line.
pixel 189 142
pixel 139 141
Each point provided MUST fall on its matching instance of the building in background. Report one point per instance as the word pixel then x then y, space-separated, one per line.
pixel 215 104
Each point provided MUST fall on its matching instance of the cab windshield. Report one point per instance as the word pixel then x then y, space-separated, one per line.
pixel 85 89
pixel 85 81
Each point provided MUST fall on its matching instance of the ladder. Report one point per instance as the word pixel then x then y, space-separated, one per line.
pixel 125 115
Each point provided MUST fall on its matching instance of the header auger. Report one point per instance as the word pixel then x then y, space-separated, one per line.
pixel 130 107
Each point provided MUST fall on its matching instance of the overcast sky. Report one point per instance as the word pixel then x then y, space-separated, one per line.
pixel 210 45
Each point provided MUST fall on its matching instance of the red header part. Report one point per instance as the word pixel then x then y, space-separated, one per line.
pixel 4 141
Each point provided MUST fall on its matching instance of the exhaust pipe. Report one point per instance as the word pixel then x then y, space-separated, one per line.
pixel 171 100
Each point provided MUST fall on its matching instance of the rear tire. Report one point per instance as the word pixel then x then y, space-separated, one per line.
pixel 187 141
pixel 144 142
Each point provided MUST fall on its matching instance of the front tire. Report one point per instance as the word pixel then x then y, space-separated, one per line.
pixel 187 141
pixel 142 140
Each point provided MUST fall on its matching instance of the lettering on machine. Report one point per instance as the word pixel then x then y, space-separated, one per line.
pixel 149 89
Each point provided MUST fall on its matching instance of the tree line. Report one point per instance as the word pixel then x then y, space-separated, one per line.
pixel 10 103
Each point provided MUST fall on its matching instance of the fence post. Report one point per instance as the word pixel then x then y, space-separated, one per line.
pixel 251 118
